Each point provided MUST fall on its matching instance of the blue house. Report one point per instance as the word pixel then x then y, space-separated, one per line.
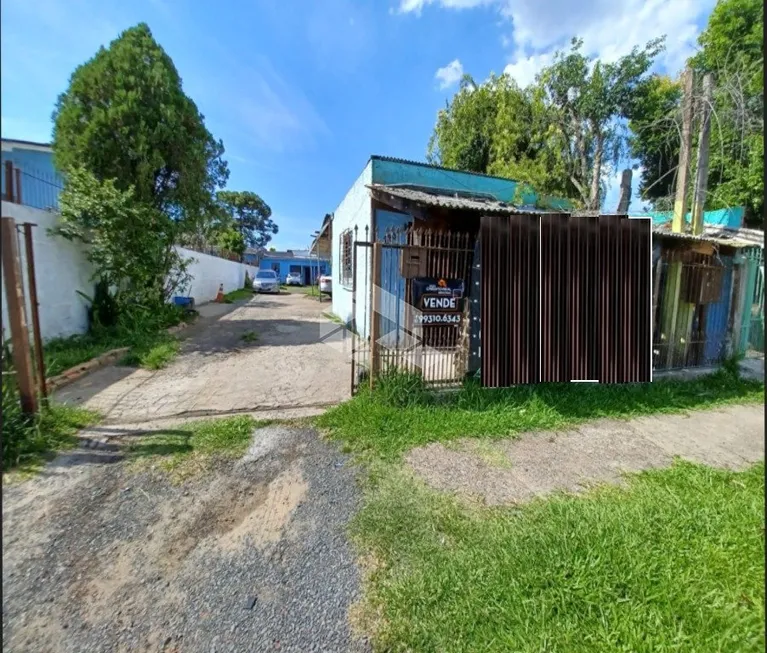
pixel 28 174
pixel 283 263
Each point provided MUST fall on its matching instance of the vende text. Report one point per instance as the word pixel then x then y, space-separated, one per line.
pixel 437 303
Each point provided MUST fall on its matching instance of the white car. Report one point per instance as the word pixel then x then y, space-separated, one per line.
pixel 326 284
pixel 266 281
pixel 294 279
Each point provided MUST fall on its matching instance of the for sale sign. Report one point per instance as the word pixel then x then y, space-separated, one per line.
pixel 439 301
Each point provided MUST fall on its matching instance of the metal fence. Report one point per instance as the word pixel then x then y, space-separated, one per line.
pixel 31 187
pixel 754 338
pixel 692 301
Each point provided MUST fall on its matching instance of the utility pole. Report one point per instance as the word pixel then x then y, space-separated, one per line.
pixel 683 171
pixel 625 196
pixel 701 173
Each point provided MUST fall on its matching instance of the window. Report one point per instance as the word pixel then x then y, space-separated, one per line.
pixel 266 274
pixel 347 252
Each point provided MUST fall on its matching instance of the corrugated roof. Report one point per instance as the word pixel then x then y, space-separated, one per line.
pixel 718 235
pixel 454 200
pixel 394 159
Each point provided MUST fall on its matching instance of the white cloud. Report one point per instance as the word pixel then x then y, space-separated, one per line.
pixel 450 74
pixel 609 29
pixel 415 6
pixel 524 70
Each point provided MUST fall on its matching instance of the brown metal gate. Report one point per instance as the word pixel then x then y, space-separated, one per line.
pixel 565 298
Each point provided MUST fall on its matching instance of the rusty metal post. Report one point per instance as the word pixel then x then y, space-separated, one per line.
pixel 35 306
pixel 375 318
pixel 9 181
pixel 14 294
pixel 18 186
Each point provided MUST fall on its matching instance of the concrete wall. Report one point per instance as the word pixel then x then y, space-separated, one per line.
pixel 353 211
pixel 61 270
pixel 285 265
pixel 210 271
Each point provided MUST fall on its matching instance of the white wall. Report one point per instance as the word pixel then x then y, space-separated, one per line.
pixel 62 269
pixel 354 210
pixel 210 271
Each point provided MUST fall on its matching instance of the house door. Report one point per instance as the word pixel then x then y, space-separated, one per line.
pixel 565 298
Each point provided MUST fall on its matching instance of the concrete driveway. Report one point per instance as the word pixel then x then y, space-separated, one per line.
pixel 297 365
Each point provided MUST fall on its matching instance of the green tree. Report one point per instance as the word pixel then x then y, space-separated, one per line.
pixel 125 117
pixel 588 100
pixel 654 140
pixel 231 240
pixel 249 215
pixel 129 244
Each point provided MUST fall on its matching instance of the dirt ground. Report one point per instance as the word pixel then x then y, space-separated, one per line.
pixel 535 464
pixel 297 363
pixel 251 556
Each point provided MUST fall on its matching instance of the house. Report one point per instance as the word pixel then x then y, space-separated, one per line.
pixel 28 173
pixel 308 266
pixel 534 294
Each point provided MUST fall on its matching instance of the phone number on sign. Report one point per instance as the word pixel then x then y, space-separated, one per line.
pixel 438 318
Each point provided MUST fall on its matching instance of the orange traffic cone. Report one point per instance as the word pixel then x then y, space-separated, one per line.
pixel 220 295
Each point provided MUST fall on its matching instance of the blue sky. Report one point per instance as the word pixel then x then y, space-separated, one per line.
pixel 303 91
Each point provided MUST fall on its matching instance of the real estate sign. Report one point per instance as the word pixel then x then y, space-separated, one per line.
pixel 439 301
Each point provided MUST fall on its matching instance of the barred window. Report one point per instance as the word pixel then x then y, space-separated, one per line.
pixel 347 251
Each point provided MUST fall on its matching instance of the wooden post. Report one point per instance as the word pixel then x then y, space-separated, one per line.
pixel 14 294
pixel 8 181
pixel 701 173
pixel 18 186
pixel 35 305
pixel 683 171
pixel 375 317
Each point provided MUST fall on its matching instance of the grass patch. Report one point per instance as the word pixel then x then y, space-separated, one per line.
pixel 188 449
pixel 249 336
pixel 300 290
pixel 28 443
pixel 153 353
pixel 238 295
pixel 672 562
pixel 401 414
pixel 332 317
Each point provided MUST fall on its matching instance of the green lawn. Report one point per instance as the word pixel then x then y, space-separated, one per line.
pixel 187 449
pixel 400 414
pixel 238 295
pixel 674 562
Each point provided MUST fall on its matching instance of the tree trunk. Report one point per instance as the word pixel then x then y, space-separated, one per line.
pixel 596 172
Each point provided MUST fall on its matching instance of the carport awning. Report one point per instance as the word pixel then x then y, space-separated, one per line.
pixel 409 198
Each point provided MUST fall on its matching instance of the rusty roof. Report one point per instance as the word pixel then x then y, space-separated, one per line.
pixel 450 199
pixel 717 235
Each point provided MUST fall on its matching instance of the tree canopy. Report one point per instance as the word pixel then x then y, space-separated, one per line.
pixel 559 135
pixel 126 117
pixel 249 215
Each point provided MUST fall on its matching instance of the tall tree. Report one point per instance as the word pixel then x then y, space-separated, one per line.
pixel 655 126
pixel 125 117
pixel 589 101
pixel 249 215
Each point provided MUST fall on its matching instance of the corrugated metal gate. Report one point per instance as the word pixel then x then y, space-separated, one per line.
pixel 565 298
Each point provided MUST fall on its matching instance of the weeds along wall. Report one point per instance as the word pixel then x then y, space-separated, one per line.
pixel 62 270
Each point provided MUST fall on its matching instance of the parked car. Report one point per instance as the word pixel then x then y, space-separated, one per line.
pixel 266 281
pixel 294 279
pixel 326 284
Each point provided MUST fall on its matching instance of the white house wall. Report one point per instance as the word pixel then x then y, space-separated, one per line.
pixel 353 211
pixel 62 269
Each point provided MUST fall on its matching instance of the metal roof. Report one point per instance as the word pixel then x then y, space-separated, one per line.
pixel 454 200
pixel 738 238
pixel 394 159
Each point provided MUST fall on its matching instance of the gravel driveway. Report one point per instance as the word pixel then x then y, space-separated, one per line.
pixel 251 556
pixel 297 362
